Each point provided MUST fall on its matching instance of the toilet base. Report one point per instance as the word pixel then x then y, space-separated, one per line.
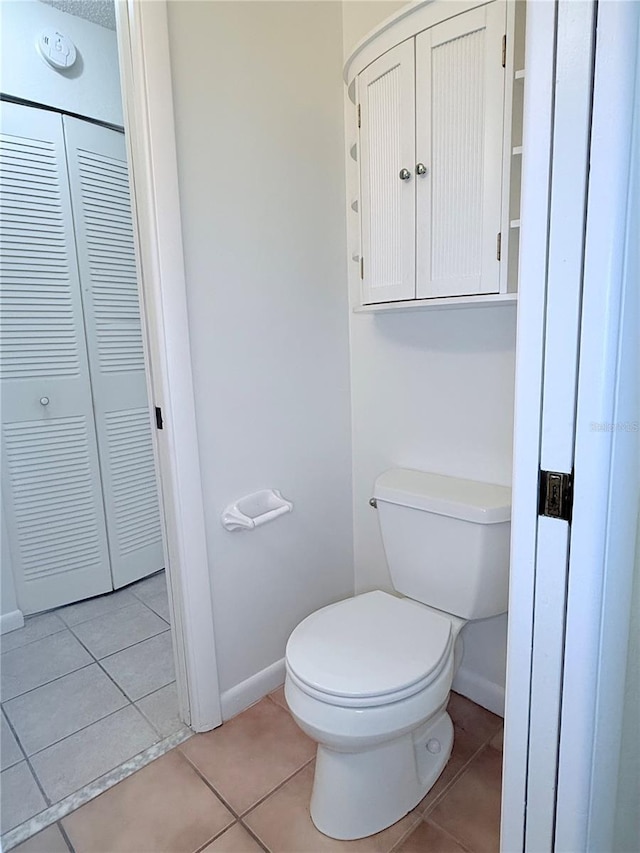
pixel 356 794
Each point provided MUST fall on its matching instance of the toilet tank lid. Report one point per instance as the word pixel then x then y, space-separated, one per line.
pixel 468 500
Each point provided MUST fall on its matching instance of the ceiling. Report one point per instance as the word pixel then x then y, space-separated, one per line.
pixel 100 12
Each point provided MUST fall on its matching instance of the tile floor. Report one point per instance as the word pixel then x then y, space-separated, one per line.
pixel 83 689
pixel 245 788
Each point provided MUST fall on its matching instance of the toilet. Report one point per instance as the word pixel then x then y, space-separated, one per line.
pixel 369 678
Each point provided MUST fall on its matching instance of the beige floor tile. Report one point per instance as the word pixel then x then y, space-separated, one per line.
pixel 283 823
pixel 470 809
pixel 251 754
pixel 278 697
pixel 233 840
pixel 473 727
pixel 428 838
pixel 163 808
pixel 50 840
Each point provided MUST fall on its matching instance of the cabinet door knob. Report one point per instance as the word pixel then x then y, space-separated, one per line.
pixel 405 174
pixel 421 169
pixel 44 401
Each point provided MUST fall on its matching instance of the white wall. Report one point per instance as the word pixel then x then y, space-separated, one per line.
pixel 90 88
pixel 258 101
pixel 433 391
pixel 359 17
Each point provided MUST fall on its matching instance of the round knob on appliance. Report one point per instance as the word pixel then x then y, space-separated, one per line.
pixel 404 175
pixel 44 401
pixel 421 169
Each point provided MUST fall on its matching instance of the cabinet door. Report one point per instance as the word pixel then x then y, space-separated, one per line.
pixel 459 117
pixel 50 473
pixel 106 257
pixel 386 91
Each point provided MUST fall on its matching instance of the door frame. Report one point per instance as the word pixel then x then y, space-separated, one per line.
pixel 580 800
pixel 145 72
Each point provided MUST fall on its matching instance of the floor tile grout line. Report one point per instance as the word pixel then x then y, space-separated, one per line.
pixel 64 627
pixel 69 628
pixel 46 796
pixel 450 835
pixel 254 835
pixel 147 718
pixel 419 819
pixel 82 729
pixel 456 776
pixel 64 834
pixel 124 648
pixel 142 601
pixel 129 702
pixel 214 838
pixel 15 735
pixel 204 779
pixel 108 674
pixel 109 612
pixel 276 789
pixel 148 606
pixel 167 747
pixel 5 702
pixel 27 759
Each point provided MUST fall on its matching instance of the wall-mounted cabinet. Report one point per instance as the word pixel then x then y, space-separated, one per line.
pixel 436 149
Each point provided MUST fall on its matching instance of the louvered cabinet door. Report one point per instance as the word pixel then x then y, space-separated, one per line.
pixel 386 93
pixel 50 472
pixel 459 121
pixel 106 257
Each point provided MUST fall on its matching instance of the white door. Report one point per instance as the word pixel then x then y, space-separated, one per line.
pixel 386 93
pixel 106 256
pixel 459 122
pixel 50 472
pixel 571 577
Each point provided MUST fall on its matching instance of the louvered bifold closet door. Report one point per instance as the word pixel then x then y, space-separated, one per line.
pixel 50 472
pixel 459 121
pixel 386 93
pixel 106 256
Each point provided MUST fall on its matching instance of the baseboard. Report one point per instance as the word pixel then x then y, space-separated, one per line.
pixel 248 692
pixel 11 621
pixel 480 690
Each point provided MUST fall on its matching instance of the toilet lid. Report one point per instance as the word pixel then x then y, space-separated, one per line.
pixel 369 646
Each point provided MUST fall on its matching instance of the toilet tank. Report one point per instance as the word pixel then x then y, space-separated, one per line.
pixel 446 540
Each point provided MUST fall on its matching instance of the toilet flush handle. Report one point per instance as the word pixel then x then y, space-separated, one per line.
pixel 373 502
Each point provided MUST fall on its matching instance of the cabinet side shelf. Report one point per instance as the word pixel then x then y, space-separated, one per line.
pixel 486 300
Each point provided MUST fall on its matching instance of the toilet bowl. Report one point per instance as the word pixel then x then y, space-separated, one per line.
pixel 369 678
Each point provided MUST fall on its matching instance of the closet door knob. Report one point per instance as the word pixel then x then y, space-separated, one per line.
pixel 421 169
pixel 405 174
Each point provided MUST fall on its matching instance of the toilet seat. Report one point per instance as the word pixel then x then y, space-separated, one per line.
pixel 370 650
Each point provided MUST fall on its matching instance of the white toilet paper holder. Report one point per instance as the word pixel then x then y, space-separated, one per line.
pixel 255 510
